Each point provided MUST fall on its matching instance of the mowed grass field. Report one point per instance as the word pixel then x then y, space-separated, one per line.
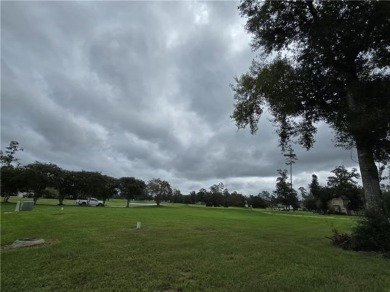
pixel 181 248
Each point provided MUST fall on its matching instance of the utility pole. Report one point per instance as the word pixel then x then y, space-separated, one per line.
pixel 291 157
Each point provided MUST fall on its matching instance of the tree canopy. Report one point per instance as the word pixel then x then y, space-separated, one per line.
pixel 159 189
pixel 285 195
pixel 8 157
pixel 321 61
pixel 130 187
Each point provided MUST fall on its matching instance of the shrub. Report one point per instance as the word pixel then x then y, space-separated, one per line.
pixel 372 233
pixel 258 202
pixel 342 240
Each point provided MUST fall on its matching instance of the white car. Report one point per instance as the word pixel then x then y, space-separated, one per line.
pixel 89 202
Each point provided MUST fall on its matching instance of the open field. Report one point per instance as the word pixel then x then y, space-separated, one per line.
pixel 181 248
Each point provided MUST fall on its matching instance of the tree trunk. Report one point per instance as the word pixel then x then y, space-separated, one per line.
pixel 370 178
pixel 372 192
pixel 128 203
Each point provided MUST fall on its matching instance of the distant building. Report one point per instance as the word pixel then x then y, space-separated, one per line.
pixel 282 207
pixel 23 194
pixel 340 205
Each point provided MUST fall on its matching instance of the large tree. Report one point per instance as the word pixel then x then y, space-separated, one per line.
pixel 216 194
pixel 35 177
pixel 9 183
pixel 131 187
pixel 110 189
pixel 343 184
pixel 284 193
pixel 159 189
pixel 10 168
pixel 322 61
pixel 67 184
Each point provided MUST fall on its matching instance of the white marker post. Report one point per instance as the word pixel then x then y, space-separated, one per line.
pixel 17 209
pixel 138 225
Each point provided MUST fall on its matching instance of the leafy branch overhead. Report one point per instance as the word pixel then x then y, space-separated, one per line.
pixel 321 61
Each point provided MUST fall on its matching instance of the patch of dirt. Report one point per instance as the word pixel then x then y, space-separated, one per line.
pixel 27 242
pixel 11 246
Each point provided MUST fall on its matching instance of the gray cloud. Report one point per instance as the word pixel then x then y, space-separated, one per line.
pixel 140 89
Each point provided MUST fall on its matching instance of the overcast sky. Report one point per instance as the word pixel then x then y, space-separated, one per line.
pixel 141 89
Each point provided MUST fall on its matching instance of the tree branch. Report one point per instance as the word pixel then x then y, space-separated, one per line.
pixel 312 10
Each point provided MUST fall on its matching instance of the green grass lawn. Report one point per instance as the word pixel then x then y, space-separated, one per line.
pixel 181 248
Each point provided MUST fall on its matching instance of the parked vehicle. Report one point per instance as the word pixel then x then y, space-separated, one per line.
pixel 89 202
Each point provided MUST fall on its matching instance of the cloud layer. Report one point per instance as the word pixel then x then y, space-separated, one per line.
pixel 140 89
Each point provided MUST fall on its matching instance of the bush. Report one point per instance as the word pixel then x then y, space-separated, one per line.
pixel 258 202
pixel 372 233
pixel 342 240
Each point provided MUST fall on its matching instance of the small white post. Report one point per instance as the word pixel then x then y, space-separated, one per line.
pixel 17 209
pixel 138 225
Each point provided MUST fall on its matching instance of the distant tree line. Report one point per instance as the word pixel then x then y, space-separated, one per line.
pixel 37 180
pixel 47 180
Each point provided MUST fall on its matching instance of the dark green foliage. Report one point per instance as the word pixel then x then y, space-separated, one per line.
pixel 285 195
pixel 344 185
pixel 258 202
pixel 323 196
pixel 130 188
pixel 215 196
pixel 371 233
pixel 343 178
pixel 318 199
pixel 177 197
pixel 270 200
pixel 67 185
pixel 9 170
pixel 35 177
pixel 201 195
pixel 110 188
pixel 193 198
pixel 321 61
pixel 8 157
pixel 341 185
pixel 342 240
pixel 160 190
pixel 9 183
pixel 50 193
pixel 91 184
pixel 235 199
pixel 309 203
pixel 355 195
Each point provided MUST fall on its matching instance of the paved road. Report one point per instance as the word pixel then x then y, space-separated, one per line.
pixel 133 205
